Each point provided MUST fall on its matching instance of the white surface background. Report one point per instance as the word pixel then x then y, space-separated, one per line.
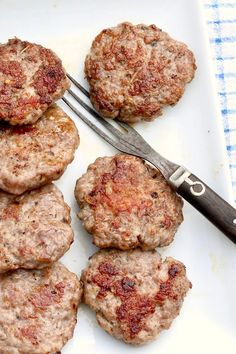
pixel 189 134
pixel 221 25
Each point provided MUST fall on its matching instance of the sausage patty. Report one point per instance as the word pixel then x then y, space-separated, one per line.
pixel 31 79
pixel 34 228
pixel 135 294
pixel 38 309
pixel 125 203
pixel 33 155
pixel 135 71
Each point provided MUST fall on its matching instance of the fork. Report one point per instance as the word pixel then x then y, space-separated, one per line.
pixel 127 140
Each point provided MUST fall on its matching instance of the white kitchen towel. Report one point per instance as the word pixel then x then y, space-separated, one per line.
pixel 221 20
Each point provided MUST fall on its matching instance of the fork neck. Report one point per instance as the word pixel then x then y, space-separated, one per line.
pixel 166 167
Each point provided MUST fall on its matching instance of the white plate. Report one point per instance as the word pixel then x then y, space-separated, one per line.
pixel 189 133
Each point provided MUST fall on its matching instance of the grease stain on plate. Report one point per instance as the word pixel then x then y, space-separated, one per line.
pixel 217 264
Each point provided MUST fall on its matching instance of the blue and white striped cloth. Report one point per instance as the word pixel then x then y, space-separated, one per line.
pixel 221 20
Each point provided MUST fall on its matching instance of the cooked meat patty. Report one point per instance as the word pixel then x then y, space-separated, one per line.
pixel 135 71
pixel 34 228
pixel 125 203
pixel 38 309
pixel 31 79
pixel 135 294
pixel 33 155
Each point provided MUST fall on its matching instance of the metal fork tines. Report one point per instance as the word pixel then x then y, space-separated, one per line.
pixel 126 139
pixel 122 136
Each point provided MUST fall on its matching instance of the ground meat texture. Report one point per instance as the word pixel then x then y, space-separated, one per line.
pixel 135 71
pixel 125 203
pixel 38 309
pixel 134 293
pixel 34 228
pixel 31 79
pixel 34 155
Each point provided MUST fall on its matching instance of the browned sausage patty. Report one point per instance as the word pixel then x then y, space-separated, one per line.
pixel 134 71
pixel 135 294
pixel 31 79
pixel 33 155
pixel 38 309
pixel 34 228
pixel 125 203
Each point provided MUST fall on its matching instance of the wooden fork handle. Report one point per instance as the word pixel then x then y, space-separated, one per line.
pixel 207 202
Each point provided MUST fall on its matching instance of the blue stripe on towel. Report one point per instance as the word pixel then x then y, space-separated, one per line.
pixel 221 21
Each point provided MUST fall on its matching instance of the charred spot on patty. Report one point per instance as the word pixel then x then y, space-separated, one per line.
pixel 143 296
pixel 31 78
pixel 125 203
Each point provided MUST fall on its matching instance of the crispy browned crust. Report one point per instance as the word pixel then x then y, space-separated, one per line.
pixel 135 294
pixel 38 309
pixel 124 203
pixel 31 79
pixel 36 154
pixel 135 71
pixel 35 228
